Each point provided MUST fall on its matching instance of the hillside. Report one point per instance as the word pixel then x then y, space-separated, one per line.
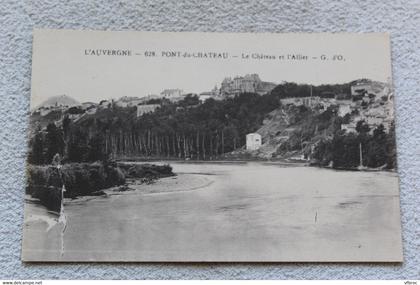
pixel 310 129
pixel 61 100
pixel 292 121
pixel 290 131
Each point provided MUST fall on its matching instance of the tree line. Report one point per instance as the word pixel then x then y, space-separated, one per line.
pixel 182 130
pixel 377 148
pixel 189 129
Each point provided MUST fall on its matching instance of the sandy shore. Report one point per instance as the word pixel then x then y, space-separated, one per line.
pixel 181 182
pixel 41 217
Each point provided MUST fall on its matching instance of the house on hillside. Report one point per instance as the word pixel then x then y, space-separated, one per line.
pixel 253 141
pixel 127 101
pixel 361 89
pixel 43 111
pixel 344 109
pixel 349 128
pixel 171 93
pixel 122 104
pixel 143 109
pixel 91 110
pixel 87 105
pixel 104 104
pixel 214 93
pixel 309 101
pixel 204 96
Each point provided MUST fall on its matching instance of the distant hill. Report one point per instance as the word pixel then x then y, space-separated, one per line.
pixel 61 100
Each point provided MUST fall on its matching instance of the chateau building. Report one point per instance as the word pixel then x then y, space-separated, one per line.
pixel 171 93
pixel 242 84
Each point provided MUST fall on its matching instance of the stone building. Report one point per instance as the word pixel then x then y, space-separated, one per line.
pixel 250 83
pixel 344 109
pixel 171 93
pixel 143 109
pixel 350 128
pixel 361 89
pixel 253 141
pixel 214 93
pixel 309 101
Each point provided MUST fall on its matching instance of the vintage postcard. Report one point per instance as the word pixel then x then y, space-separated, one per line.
pixel 218 147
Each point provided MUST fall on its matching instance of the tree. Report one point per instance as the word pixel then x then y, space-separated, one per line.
pixel 75 110
pixel 391 149
pixel 190 100
pixel 54 142
pixel 377 152
pixel 36 154
pixel 97 148
pixel 362 127
pixel 78 150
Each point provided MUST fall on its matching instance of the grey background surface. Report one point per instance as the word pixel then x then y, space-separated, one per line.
pixel 400 18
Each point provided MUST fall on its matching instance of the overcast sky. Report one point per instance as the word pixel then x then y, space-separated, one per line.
pixel 60 65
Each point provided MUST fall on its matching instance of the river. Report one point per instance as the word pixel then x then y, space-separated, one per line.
pixel 250 211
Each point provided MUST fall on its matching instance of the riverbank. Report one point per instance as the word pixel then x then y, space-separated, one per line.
pixel 181 182
pixel 50 183
pixel 37 215
pixel 143 160
pixel 284 162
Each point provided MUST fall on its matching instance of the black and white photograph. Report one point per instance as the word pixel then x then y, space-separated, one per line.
pixel 211 147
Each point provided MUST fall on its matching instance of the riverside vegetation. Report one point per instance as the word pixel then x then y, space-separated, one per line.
pixel 45 182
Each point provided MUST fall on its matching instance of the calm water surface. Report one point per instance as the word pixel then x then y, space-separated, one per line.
pixel 248 212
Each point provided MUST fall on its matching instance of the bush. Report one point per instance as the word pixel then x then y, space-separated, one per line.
pixel 83 179
pixel 147 170
pixel 44 183
pixel 80 179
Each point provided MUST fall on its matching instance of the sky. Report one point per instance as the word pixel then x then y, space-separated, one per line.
pixel 61 65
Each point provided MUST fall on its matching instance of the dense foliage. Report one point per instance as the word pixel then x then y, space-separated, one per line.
pixel 310 126
pixel 189 129
pixel 289 90
pixel 185 129
pixel 150 171
pixel 343 150
pixel 46 182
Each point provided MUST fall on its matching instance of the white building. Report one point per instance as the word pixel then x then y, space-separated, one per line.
pixel 104 104
pixel 87 105
pixel 43 111
pixel 361 89
pixel 171 93
pixel 143 109
pixel 350 128
pixel 248 83
pixel 344 109
pixel 309 101
pixel 253 141
pixel 126 101
pixel 135 102
pixel 121 104
pixel 204 96
pixel 214 93
pixel 91 110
